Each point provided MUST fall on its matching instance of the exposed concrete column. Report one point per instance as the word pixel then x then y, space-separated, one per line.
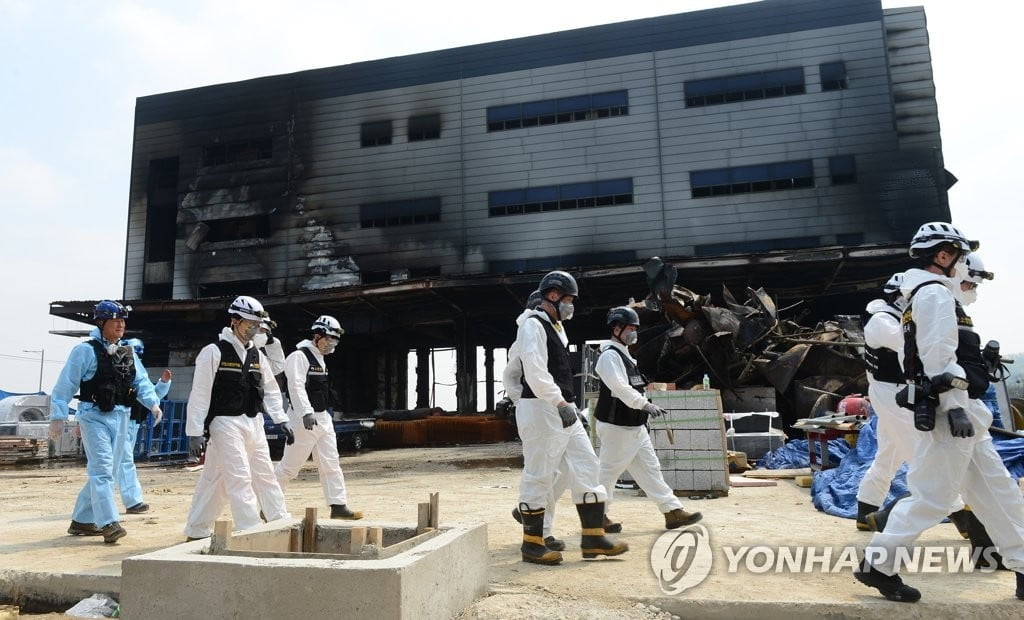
pixel 422 378
pixel 465 369
pixel 489 376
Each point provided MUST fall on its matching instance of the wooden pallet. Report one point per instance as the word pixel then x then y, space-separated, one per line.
pixel 15 450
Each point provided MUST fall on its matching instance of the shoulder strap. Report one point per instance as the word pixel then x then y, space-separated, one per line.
pixel 310 357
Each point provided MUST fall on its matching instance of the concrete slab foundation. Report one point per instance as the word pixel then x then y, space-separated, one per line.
pixel 436 578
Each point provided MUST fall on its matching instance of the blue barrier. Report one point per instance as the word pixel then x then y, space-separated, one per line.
pixel 168 439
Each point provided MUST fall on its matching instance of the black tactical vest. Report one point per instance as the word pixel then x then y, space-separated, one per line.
pixel 317 388
pixel 968 349
pixel 111 385
pixel 558 364
pixel 236 386
pixel 883 363
pixel 612 410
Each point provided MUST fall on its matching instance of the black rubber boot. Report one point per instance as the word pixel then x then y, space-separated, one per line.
pixel 877 520
pixel 594 542
pixel 983 550
pixel 862 512
pixel 533 548
pixel 549 541
pixel 891 588
pixel 342 511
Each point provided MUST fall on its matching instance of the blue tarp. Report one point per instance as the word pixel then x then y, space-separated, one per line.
pixel 834 491
pixel 4 394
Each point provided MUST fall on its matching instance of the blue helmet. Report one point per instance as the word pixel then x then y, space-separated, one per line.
pixel 136 344
pixel 108 309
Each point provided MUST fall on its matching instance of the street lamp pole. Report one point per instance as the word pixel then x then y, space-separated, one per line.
pixel 42 360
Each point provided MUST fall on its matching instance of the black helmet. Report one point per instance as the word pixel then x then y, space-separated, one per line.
pixel 534 300
pixel 561 282
pixel 622 315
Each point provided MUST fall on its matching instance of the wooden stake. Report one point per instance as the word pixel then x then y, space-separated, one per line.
pixel 221 535
pixel 375 537
pixel 435 505
pixel 357 540
pixel 309 531
pixel 423 520
pixel 295 540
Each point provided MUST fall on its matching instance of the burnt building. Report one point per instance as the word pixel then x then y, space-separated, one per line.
pixel 791 144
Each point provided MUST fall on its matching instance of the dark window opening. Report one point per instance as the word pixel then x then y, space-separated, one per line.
pixel 751 179
pixel 560 197
pixel 759 245
pixel 562 262
pixel 238 228
pixel 426 127
pixel 400 213
pixel 163 290
pixel 842 169
pixel 833 76
pixel 232 289
pixel 375 133
pixel 563 110
pixel 745 87
pixel 856 238
pixel 161 209
pixel 249 149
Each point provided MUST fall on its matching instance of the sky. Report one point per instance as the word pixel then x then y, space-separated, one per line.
pixel 70 72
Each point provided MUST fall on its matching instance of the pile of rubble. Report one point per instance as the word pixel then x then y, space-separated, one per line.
pixel 686 336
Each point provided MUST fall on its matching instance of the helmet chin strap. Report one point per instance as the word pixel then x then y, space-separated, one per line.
pixel 948 271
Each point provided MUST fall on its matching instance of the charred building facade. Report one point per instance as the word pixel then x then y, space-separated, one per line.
pixel 787 143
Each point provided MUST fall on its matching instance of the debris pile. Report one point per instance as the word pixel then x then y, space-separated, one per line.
pixel 685 335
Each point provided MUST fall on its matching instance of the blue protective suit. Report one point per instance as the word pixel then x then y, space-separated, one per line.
pixel 102 433
pixel 127 476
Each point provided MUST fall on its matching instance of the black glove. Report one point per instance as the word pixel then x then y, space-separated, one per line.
pixel 569 414
pixel 584 421
pixel 308 421
pixel 195 446
pixel 653 410
pixel 959 424
pixel 289 434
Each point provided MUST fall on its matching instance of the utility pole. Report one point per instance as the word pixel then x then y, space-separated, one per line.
pixel 42 359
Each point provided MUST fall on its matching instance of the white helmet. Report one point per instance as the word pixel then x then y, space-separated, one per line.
pixel 933 234
pixel 327 325
pixel 894 284
pixel 245 307
pixel 976 270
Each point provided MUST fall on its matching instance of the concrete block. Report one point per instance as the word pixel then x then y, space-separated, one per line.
pixel 434 579
pixel 701 481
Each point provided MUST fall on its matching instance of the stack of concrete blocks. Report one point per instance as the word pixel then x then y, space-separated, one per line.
pixel 693 457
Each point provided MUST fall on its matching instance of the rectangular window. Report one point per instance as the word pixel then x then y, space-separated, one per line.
pixel 563 110
pixel 238 228
pixel 249 149
pixel 255 288
pixel 425 127
pixel 745 87
pixel 560 197
pixel 747 179
pixel 161 209
pixel 833 75
pixel 760 245
pixel 375 133
pixel 400 213
pixel 842 169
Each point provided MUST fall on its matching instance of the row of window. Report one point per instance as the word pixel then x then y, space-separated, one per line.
pixel 560 197
pixel 761 85
pixel 400 213
pixel 768 177
pixel 423 127
pixel 248 149
pixel 561 110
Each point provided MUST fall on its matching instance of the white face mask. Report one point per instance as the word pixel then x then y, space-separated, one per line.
pixel 960 271
pixel 260 340
pixel 629 338
pixel 968 297
pixel 565 311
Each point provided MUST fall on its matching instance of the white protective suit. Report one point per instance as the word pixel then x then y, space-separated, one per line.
pixel 322 442
pixel 512 378
pixel 628 447
pixel 944 466
pixel 238 466
pixel 545 442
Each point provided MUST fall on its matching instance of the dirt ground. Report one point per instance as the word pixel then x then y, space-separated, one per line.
pixel 480 483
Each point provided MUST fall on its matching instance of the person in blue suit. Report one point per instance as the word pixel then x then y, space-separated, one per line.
pixel 107 378
pixel 127 476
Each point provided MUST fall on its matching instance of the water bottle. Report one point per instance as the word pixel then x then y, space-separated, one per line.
pixel 706 382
